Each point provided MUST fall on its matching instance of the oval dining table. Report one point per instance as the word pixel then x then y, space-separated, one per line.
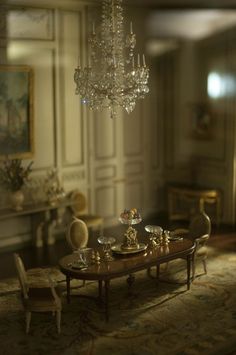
pixel 127 264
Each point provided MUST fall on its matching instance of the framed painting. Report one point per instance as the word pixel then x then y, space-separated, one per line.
pixel 16 112
pixel 201 121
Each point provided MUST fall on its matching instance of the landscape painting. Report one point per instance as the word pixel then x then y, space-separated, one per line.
pixel 16 112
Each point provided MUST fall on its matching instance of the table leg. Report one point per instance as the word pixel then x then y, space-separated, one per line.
pixel 100 289
pixel 130 280
pixel 38 221
pixel 189 264
pixel 106 299
pixel 218 211
pixel 193 266
pixel 157 271
pixel 201 204
pixel 68 288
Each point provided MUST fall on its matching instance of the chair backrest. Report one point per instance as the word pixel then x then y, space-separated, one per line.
pixel 77 234
pixel 22 276
pixel 200 225
pixel 80 203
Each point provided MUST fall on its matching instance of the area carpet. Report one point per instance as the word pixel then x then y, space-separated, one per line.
pixel 149 319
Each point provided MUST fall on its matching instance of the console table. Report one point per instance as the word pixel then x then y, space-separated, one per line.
pixel 197 194
pixel 43 218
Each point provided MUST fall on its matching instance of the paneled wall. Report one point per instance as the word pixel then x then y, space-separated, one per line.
pixel 206 160
pixel 218 58
pixel 49 41
pixel 108 159
pixel 30 40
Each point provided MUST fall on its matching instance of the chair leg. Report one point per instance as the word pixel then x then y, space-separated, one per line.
pixel 193 269
pixel 166 266
pixel 149 272
pixel 130 280
pixel 28 319
pixel 59 322
pixel 204 265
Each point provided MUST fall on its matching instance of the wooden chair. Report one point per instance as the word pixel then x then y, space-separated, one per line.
pixel 37 299
pixel 199 230
pixel 79 208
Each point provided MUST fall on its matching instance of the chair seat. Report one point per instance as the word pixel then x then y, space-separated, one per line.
pixel 37 278
pixel 41 300
pixel 201 252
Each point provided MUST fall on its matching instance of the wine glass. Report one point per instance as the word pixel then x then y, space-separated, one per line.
pixel 83 254
pixel 106 243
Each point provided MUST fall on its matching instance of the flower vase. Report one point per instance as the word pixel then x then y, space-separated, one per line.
pixel 17 199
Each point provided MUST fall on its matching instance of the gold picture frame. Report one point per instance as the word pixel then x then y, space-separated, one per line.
pixel 16 112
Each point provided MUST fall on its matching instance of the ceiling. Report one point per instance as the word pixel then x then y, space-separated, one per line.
pixel 185 19
pixel 192 24
pixel 170 21
pixel 183 3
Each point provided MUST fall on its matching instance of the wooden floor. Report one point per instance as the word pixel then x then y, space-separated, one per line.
pixel 49 255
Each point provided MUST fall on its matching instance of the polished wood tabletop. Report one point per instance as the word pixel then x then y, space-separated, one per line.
pixel 125 264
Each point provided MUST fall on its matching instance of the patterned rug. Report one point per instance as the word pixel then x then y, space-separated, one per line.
pixel 149 319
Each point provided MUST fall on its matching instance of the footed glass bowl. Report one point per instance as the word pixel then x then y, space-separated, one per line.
pixel 106 243
pixel 130 221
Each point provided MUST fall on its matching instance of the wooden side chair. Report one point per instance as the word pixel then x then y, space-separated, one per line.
pixel 199 231
pixel 79 209
pixel 37 299
pixel 77 235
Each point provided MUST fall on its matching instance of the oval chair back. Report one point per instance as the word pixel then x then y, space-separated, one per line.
pixel 77 234
pixel 199 225
pixel 79 210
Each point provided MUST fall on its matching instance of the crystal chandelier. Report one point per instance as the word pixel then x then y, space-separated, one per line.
pixel 113 77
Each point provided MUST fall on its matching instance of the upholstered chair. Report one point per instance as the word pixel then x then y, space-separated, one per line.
pixel 199 230
pixel 38 299
pixel 79 208
pixel 77 235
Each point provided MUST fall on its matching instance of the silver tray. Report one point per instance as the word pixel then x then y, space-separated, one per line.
pixel 175 238
pixel 118 250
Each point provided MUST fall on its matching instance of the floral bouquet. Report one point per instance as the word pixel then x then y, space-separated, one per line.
pixel 13 175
